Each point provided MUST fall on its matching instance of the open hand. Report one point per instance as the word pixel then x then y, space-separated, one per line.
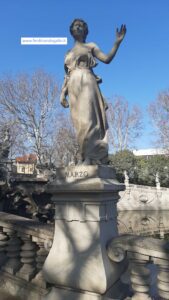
pixel 120 33
pixel 64 102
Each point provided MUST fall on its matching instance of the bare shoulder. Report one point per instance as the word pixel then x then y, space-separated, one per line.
pixel 68 52
pixel 92 46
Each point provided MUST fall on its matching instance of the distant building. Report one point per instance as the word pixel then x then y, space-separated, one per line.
pixel 26 164
pixel 150 152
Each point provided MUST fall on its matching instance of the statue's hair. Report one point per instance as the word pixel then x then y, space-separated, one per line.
pixel 86 30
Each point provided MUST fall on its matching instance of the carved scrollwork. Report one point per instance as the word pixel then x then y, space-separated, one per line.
pixel 116 253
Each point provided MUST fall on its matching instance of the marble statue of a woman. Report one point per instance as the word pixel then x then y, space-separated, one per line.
pixel 81 86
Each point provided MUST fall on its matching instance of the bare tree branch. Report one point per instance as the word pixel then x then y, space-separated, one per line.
pixel 30 101
pixel 159 112
pixel 125 124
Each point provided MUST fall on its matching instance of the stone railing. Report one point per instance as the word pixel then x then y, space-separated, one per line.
pixel 24 246
pixel 142 253
pixel 149 223
pixel 140 197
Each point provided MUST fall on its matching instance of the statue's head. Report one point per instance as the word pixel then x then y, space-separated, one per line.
pixel 79 29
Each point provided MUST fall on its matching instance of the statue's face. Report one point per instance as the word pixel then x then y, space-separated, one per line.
pixel 78 30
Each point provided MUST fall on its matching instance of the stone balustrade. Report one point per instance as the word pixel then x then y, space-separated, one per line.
pixel 141 197
pixel 142 252
pixel 24 246
pixel 25 243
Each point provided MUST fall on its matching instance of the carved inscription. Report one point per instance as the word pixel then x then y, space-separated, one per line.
pixel 76 174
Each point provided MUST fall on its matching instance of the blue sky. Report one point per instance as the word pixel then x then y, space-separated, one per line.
pixel 140 69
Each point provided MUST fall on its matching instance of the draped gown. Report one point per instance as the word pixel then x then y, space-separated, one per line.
pixel 86 104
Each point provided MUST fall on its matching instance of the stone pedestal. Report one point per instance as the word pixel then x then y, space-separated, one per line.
pixel 77 266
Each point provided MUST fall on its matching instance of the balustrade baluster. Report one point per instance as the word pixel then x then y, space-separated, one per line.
pixel 13 263
pixel 40 259
pixel 163 281
pixel 28 253
pixel 140 280
pixel 3 245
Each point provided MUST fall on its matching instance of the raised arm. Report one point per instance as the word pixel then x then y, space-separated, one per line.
pixel 107 58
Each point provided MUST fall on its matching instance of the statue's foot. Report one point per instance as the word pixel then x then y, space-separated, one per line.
pixel 87 162
pixel 96 162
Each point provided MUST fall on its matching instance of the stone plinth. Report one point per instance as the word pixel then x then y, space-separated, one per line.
pixel 85 200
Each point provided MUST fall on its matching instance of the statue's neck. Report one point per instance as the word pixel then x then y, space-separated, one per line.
pixel 80 41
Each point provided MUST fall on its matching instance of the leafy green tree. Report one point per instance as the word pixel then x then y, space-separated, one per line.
pixel 160 164
pixel 124 161
pixel 148 168
pixel 141 170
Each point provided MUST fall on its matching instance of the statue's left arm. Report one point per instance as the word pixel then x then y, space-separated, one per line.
pixel 64 93
pixel 107 58
pixel 64 90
